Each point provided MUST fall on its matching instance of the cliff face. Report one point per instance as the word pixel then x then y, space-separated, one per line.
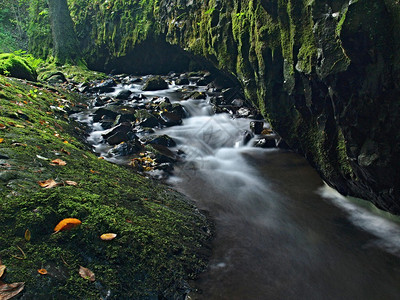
pixel 324 73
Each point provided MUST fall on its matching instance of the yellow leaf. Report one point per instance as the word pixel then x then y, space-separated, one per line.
pixel 86 274
pixel 108 236
pixel 1 140
pixel 27 235
pixel 48 184
pixel 67 224
pixel 2 269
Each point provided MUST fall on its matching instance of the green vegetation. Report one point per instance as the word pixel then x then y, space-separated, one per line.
pixel 16 66
pixel 159 233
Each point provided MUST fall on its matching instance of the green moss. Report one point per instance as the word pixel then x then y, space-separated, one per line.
pixel 16 66
pixel 159 232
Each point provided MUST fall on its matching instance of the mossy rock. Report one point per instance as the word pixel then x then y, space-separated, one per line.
pixel 16 66
pixel 155 83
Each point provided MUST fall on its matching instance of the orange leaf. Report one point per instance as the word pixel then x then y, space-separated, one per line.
pixel 86 274
pixel 1 140
pixel 48 184
pixel 2 269
pixel 59 162
pixel 108 236
pixel 67 224
pixel 69 182
pixel 7 291
pixel 94 172
pixel 42 271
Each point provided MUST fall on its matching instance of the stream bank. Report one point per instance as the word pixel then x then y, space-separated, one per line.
pixel 162 239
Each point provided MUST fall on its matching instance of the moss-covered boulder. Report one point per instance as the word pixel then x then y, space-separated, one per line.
pixel 16 66
pixel 47 173
pixel 155 83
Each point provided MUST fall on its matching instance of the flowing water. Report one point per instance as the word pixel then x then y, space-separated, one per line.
pixel 280 232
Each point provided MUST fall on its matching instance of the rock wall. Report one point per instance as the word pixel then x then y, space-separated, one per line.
pixel 324 73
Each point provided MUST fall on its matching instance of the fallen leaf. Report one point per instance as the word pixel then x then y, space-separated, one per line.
pixel 67 224
pixel 65 151
pixel 94 172
pixel 2 269
pixel 72 183
pixel 27 235
pixel 59 162
pixel 66 142
pixel 108 236
pixel 19 126
pixel 1 140
pixel 2 126
pixel 42 271
pixel 48 184
pixel 86 274
pixel 7 291
pixel 19 144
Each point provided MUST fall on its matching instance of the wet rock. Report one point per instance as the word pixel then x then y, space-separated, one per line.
pixel 107 86
pixel 256 127
pixel 123 95
pixel 145 119
pixel 155 83
pixel 103 113
pixel 182 81
pixel 163 140
pixel 166 167
pixel 170 118
pixel 125 149
pixel 118 134
pixel 138 97
pixel 195 96
pixel 161 153
pixel 266 142
pixel 100 101
pixel 247 136
pixel 179 110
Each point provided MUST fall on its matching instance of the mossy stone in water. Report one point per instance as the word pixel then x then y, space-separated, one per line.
pixel 155 83
pixel 16 66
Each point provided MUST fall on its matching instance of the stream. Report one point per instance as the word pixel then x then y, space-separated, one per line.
pixel 281 233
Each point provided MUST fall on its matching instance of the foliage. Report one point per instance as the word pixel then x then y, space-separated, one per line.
pixel 14 22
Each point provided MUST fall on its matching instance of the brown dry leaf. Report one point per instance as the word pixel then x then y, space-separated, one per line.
pixel 2 126
pixel 59 162
pixel 70 182
pixel 7 291
pixel 86 274
pixel 48 184
pixel 27 235
pixel 108 236
pixel 2 269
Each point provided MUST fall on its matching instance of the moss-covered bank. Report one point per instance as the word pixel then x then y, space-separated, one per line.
pixel 324 73
pixel 161 237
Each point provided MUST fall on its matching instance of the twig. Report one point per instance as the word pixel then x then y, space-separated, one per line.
pixel 62 258
pixel 22 251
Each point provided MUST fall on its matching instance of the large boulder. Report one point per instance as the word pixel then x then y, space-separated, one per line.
pixel 16 66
